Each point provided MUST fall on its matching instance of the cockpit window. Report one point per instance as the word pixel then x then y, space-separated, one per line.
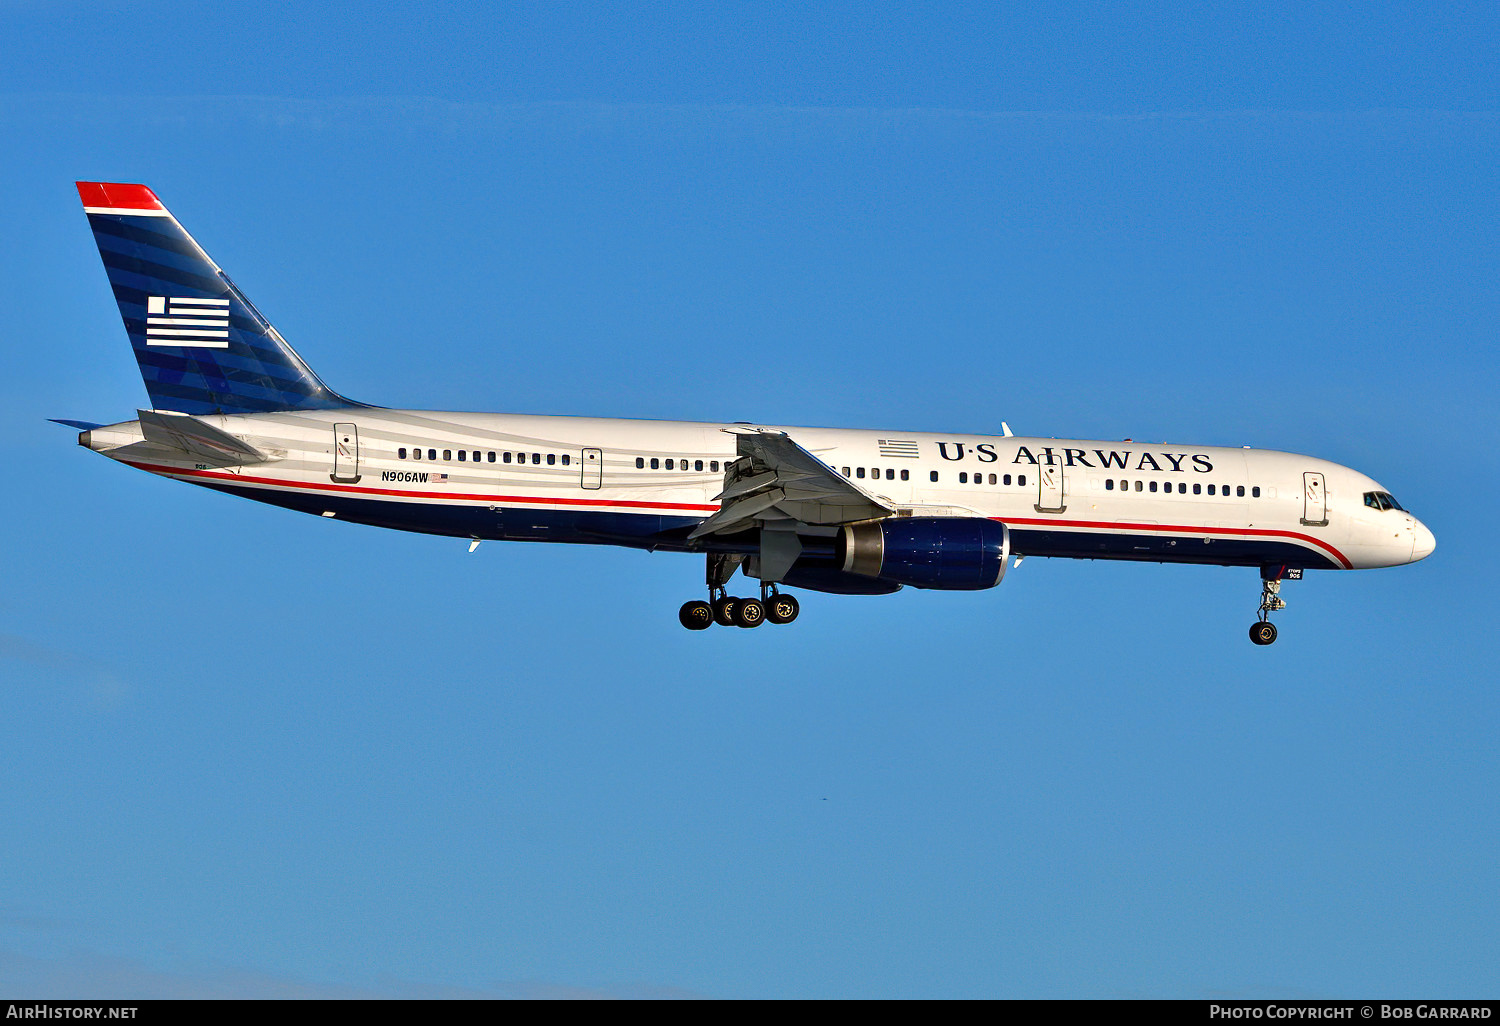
pixel 1382 501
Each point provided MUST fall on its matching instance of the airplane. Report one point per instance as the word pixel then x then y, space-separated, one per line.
pixel 235 409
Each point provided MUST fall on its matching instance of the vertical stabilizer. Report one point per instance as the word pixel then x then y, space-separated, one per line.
pixel 201 345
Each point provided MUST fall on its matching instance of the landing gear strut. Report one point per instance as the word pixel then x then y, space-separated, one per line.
pixel 727 610
pixel 1263 631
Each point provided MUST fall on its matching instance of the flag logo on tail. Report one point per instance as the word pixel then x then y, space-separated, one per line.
pixel 178 321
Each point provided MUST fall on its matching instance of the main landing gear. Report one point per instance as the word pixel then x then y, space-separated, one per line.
pixel 728 611
pixel 1263 631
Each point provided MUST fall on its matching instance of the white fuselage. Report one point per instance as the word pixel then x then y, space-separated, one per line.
pixel 648 483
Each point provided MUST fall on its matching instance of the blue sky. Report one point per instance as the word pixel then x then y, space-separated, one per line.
pixel 256 753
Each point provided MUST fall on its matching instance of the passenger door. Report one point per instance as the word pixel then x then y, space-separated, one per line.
pixel 345 453
pixel 1314 501
pixel 593 468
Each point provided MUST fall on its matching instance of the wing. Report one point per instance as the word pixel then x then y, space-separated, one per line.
pixel 777 483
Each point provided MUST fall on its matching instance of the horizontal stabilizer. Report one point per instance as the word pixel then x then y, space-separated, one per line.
pixel 202 441
pixel 81 425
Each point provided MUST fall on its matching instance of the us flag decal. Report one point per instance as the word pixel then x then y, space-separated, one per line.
pixel 176 321
pixel 891 447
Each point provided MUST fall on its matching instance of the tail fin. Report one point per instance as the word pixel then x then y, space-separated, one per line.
pixel 201 345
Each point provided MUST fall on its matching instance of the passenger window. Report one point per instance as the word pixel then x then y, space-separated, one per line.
pixel 432 454
pixel 505 457
pixel 1007 479
pixel 859 472
pixel 416 454
pixel 993 479
pixel 462 456
pixel 1140 486
pixel 1198 489
pixel 1182 488
pixel 1109 484
pixel 1239 490
pixel 492 457
pixel 1210 489
pixel 1255 492
pixel 1021 480
pixel 655 463
pixel 401 453
pixel 640 463
pixel 714 466
pixel 1153 486
pixel 890 475
pixel 567 459
pixel 875 473
pixel 447 454
pixel 846 471
pixel 933 476
pixel 697 464
pixel 906 475
pixel 536 457
pixel 963 477
pixel 552 459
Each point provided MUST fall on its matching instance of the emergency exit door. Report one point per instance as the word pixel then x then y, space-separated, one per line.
pixel 1050 489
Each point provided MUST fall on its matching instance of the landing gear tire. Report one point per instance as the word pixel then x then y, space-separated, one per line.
pixel 696 616
pixel 724 610
pixel 782 608
pixel 749 613
pixel 1263 632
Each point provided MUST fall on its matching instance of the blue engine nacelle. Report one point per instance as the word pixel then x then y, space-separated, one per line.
pixel 947 553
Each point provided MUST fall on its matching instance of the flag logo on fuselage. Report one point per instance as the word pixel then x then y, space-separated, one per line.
pixel 902 449
pixel 178 321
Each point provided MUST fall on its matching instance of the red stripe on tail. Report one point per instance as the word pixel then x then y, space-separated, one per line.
pixel 118 195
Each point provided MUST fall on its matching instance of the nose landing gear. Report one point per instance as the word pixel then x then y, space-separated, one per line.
pixel 1263 631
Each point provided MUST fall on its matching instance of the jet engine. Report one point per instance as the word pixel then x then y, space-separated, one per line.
pixel 944 553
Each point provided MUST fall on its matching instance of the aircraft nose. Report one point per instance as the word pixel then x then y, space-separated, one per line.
pixel 1423 542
